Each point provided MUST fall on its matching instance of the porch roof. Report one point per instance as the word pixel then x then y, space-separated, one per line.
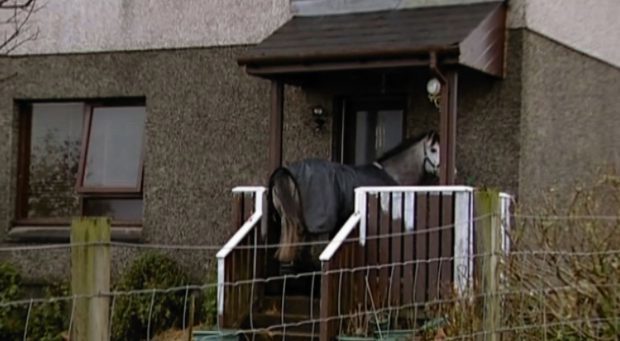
pixel 471 35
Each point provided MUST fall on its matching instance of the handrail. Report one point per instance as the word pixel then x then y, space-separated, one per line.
pixel 243 231
pixel 375 189
pixel 340 237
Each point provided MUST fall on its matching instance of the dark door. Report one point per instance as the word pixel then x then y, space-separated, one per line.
pixel 368 128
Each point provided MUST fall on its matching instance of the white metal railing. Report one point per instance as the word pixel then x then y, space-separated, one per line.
pixel 245 229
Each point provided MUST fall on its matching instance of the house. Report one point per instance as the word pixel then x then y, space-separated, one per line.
pixel 152 111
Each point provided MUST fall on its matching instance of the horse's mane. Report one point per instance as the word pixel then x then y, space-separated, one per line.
pixel 408 143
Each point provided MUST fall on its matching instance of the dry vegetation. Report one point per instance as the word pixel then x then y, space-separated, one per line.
pixel 562 279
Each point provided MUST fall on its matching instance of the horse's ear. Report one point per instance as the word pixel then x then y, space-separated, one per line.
pixel 433 135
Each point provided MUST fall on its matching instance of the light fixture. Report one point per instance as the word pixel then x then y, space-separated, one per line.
pixel 433 87
pixel 318 111
pixel 319 117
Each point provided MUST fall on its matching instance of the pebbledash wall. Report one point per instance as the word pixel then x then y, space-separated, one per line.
pixel 548 123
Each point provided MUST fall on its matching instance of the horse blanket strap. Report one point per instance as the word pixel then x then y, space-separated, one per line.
pixel 327 190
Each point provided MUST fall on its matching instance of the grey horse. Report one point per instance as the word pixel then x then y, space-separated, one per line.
pixel 315 197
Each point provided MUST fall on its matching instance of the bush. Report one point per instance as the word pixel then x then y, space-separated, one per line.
pixel 47 321
pixel 131 313
pixel 210 299
pixel 562 278
pixel 12 318
pixel 50 320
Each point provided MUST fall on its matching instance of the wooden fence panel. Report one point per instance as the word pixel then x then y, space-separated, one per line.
pixel 398 229
pixel 447 244
pixel 421 247
pixel 434 244
pixel 409 270
pixel 373 245
pixel 384 249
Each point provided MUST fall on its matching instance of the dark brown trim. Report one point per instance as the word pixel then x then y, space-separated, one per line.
pixel 276 125
pixel 61 233
pixel 274 70
pixel 471 34
pixel 382 52
pixel 484 47
pixel 80 188
pixel 24 117
pixel 447 124
pixel 339 108
pixel 46 222
pixel 453 83
pixel 88 112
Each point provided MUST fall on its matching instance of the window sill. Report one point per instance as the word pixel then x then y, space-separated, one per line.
pixel 61 233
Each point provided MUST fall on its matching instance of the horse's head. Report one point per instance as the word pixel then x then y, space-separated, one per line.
pixel 431 153
pixel 411 160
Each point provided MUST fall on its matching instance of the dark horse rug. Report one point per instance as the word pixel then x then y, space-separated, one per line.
pixel 327 190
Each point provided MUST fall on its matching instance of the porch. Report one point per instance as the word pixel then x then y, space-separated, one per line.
pixel 402 248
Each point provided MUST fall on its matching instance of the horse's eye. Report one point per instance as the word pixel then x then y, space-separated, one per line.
pixel 433 150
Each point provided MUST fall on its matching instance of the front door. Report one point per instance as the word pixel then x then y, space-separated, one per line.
pixel 368 128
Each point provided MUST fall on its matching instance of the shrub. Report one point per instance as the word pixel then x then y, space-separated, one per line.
pixel 561 280
pixel 47 321
pixel 131 313
pixel 12 318
pixel 210 299
pixel 50 320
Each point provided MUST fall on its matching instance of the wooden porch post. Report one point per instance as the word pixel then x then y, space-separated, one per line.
pixel 275 125
pixel 447 131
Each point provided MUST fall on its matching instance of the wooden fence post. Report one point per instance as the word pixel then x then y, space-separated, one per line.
pixel 488 241
pixel 90 275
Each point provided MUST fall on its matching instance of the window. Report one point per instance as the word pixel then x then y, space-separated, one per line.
pixel 80 159
pixel 370 127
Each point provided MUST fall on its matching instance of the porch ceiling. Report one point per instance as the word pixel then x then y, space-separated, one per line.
pixel 470 35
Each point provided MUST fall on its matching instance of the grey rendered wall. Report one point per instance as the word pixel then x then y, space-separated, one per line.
pixel 570 118
pixel 206 132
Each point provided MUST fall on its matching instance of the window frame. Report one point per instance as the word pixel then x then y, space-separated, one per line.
pixel 24 136
pixel 89 108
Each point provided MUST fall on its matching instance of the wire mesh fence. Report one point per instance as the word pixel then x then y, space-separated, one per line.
pixel 556 276
pixel 560 280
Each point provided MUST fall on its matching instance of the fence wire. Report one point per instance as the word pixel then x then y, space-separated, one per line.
pixel 559 281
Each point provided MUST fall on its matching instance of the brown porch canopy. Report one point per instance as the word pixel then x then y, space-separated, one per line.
pixel 440 37
pixel 470 35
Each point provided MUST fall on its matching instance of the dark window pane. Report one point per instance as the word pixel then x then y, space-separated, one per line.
pixel 117 209
pixel 55 139
pixel 368 134
pixel 115 148
pixel 389 131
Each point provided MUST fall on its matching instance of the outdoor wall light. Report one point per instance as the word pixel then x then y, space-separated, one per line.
pixel 433 87
pixel 318 113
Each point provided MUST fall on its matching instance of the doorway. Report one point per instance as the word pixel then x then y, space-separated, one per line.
pixel 367 127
